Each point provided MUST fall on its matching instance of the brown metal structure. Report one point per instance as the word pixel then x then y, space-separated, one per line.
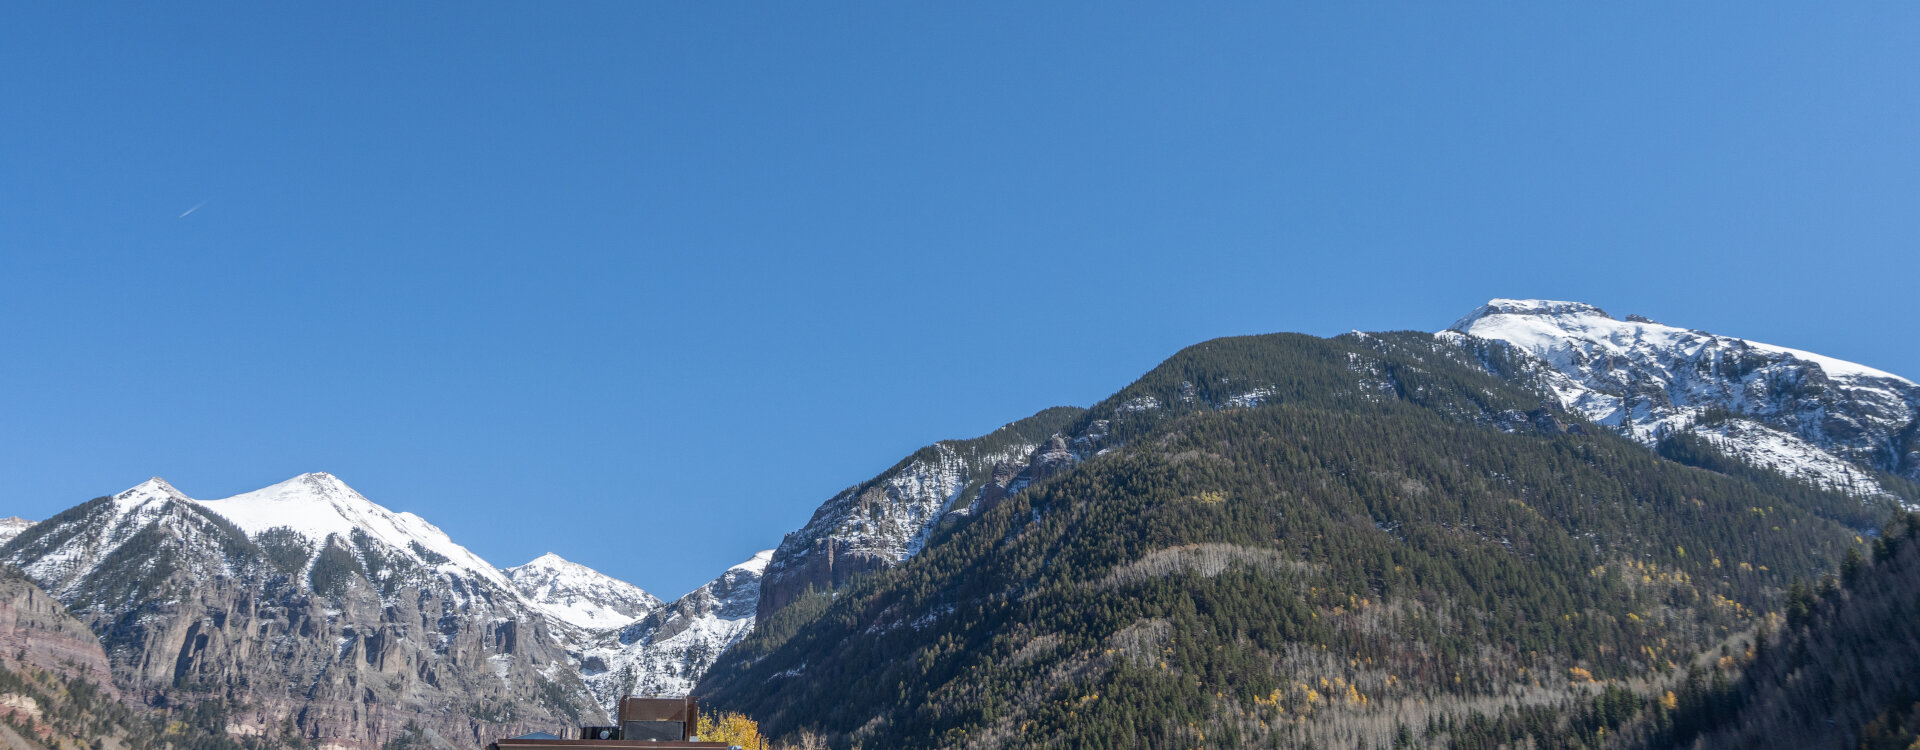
pixel 659 718
pixel 511 744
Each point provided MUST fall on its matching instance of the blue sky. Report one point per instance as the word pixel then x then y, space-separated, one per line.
pixel 543 274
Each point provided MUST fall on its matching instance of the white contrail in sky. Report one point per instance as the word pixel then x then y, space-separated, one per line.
pixel 196 207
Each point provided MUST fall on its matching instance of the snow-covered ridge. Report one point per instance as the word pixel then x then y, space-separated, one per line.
pixel 319 505
pixel 666 652
pixel 1547 327
pixel 756 564
pixel 580 596
pixel 61 569
pixel 1649 380
pixel 1528 307
pixel 11 527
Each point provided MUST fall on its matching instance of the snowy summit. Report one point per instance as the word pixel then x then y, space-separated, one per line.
pixel 581 596
pixel 1807 415
pixel 319 505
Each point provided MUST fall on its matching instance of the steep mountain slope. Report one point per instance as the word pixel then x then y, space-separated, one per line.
pixel 56 692
pixel 37 633
pixel 1839 671
pixel 877 523
pixel 577 596
pixel 1810 416
pixel 303 602
pixel 319 506
pixel 625 641
pixel 1282 541
pixel 11 527
pixel 669 649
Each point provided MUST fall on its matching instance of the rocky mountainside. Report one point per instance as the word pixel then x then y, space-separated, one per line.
pixel 1825 420
pixel 1285 541
pixel 305 610
pixel 1835 671
pixel 576 596
pixel 886 519
pixel 37 632
pixel 304 602
pixel 668 650
pixel 56 690
pixel 624 641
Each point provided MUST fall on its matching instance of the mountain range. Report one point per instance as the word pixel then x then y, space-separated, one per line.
pixel 1277 518
pixel 306 601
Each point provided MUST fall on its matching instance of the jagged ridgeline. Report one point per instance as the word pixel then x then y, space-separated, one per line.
pixel 879 522
pixel 57 693
pixel 1273 541
pixel 352 627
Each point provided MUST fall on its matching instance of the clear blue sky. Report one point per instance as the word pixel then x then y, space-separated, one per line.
pixel 548 273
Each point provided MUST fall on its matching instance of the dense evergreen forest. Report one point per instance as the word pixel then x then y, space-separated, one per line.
pixel 1839 668
pixel 1285 541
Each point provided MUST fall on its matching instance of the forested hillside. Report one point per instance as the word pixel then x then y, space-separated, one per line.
pixel 1841 669
pixel 1284 541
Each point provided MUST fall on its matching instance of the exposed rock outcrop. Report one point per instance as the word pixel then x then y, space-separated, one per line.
pixel 878 523
pixel 36 631
pixel 351 621
pixel 669 650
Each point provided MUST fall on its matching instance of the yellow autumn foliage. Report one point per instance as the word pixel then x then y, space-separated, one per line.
pixel 733 729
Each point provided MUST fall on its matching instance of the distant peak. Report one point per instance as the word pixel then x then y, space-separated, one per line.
pixel 318 505
pixel 321 478
pixel 757 563
pixel 308 486
pixel 1536 307
pixel 151 489
pixel 549 560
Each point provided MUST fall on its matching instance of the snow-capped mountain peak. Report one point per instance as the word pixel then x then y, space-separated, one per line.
pixel 1544 327
pixel 580 596
pixel 305 589
pixel 148 491
pixel 1649 380
pixel 1540 307
pixel 756 564
pixel 319 505
pixel 11 527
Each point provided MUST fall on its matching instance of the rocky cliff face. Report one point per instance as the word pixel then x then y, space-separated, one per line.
pixel 1806 415
pixel 878 523
pixel 310 603
pixel 624 641
pixel 36 631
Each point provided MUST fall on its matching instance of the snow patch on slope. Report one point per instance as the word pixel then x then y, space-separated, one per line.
pixel 1763 446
